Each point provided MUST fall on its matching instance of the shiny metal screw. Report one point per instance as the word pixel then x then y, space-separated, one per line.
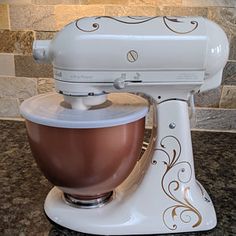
pixel 132 56
pixel 172 125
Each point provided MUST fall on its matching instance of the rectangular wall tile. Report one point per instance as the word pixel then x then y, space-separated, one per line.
pixel 142 2
pixel 159 3
pixel 183 11
pixel 232 51
pixel 216 119
pixel 105 2
pixel 4 21
pixel 20 87
pixel 228 97
pixel 130 11
pixel 19 42
pixel 16 1
pixel 225 17
pixel 68 13
pixel 32 17
pixel 54 2
pixel 209 98
pixel 7 65
pixel 9 107
pixel 206 3
pixel 46 85
pixel 168 3
pixel 229 74
pixel 27 67
pixel 44 35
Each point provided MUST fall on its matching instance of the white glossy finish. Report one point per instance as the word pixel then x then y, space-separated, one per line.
pixel 217 55
pixel 169 58
pixel 164 199
pixel 85 102
pixel 135 51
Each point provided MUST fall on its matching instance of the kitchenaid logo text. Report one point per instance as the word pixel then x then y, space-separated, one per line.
pixel 73 76
pixel 81 77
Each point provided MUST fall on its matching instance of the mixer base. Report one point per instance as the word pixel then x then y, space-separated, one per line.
pixel 125 218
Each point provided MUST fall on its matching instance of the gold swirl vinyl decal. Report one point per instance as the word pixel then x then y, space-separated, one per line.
pixel 94 27
pixel 176 188
pixel 131 20
pixel 169 22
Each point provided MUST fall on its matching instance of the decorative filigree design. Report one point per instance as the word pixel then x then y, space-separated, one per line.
pixel 175 20
pixel 134 20
pixel 182 209
pixel 95 26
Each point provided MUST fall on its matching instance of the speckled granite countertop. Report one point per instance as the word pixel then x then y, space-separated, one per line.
pixel 23 188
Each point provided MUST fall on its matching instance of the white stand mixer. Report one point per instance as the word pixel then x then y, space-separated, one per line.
pixel 168 58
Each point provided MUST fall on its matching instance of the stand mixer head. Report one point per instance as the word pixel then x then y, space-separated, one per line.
pixel 167 58
pixel 97 54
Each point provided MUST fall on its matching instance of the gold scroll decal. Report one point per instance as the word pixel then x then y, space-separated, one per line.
pixel 182 209
pixel 168 20
pixel 132 20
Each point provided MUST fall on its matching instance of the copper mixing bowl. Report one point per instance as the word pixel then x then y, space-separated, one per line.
pixel 86 163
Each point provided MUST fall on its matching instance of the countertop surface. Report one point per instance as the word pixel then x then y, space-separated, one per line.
pixel 23 188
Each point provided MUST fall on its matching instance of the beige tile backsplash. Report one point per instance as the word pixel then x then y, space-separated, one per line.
pixel 7 65
pixel 17 42
pixel 13 87
pixel 209 3
pixel 32 17
pixel 4 21
pixel 64 14
pixel 26 66
pixel 23 21
pixel 228 97
pixel 130 10
pixel 9 107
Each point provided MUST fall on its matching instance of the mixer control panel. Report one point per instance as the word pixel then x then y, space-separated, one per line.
pixel 119 77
